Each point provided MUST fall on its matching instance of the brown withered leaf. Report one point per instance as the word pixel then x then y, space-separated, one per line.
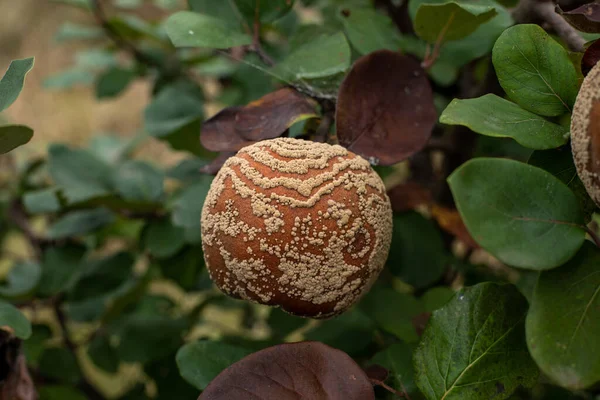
pixel 408 196
pixel 590 57
pixel 269 116
pixel 585 18
pixel 450 221
pixel 15 381
pixel 290 371
pixel 219 134
pixel 385 110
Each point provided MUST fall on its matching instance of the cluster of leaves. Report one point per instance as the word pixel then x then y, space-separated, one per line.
pixel 116 254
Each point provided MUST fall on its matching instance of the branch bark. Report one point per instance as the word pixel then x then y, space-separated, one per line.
pixel 84 385
pixel 544 11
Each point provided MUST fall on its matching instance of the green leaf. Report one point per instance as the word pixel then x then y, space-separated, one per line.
pixel 80 222
pixel 200 362
pixel 21 280
pixel 521 214
pixel 113 82
pixel 535 71
pixel 14 320
pixel 450 20
pixel 563 323
pixel 139 181
pixel 174 115
pixel 189 29
pixel 132 4
pixel 73 31
pixel 111 148
pixel 397 359
pixel 559 162
pixel 163 239
pixel 146 338
pixel 494 116
pixel 480 43
pixel 169 382
pixel 393 312
pixel 324 56
pixel 436 297
pixel 13 136
pixel 83 4
pixel 103 354
pixel 55 392
pixel 187 170
pixel 185 267
pixel 80 175
pixel 418 254
pixel 474 347
pixel 268 11
pixel 100 283
pixel 12 82
pixel 351 332
pixel 134 28
pixel 171 110
pixel 369 30
pixel 223 10
pixel 60 269
pixel 69 78
pixel 282 323
pixel 41 201
pixel 96 58
pixel 187 209
pixel 60 363
pixel 35 345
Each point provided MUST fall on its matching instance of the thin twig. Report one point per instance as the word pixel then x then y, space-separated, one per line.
pixel 593 235
pixel 18 216
pixel 91 392
pixel 398 14
pixel 256 45
pixel 120 41
pixel 431 58
pixel 533 11
pixel 390 389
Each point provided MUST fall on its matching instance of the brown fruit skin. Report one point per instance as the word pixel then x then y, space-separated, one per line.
pixel 585 133
pixel 301 225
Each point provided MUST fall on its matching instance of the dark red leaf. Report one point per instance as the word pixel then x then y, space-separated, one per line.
pixel 216 164
pixel 385 109
pixel 590 57
pixel 269 116
pixel 377 373
pixel 408 196
pixel 291 371
pixel 219 134
pixel 585 18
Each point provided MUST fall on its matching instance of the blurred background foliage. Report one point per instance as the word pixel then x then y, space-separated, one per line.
pixel 101 243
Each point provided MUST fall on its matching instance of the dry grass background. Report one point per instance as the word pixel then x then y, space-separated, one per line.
pixel 27 28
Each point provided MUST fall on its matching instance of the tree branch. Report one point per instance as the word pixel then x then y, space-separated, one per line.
pixel 533 11
pixel 120 41
pixel 84 385
pixel 18 216
pixel 256 45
